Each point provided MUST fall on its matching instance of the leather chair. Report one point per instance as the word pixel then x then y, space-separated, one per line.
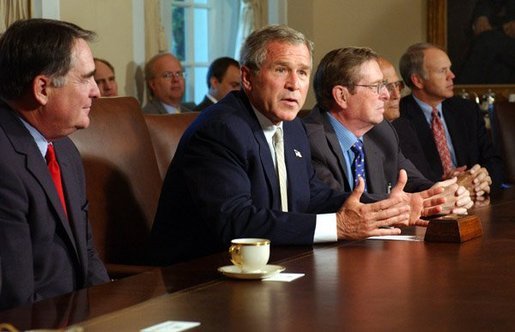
pixel 505 136
pixel 123 182
pixel 165 132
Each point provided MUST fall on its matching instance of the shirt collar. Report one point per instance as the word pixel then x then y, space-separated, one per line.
pixel 170 109
pixel 213 99
pixel 40 140
pixel 428 109
pixel 345 136
pixel 268 127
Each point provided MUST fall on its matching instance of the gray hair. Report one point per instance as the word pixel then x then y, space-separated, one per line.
pixel 254 50
pixel 412 62
pixel 339 67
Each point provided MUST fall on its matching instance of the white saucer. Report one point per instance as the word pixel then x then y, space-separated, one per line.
pixel 233 271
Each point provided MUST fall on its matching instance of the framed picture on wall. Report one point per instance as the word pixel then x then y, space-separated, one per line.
pixel 483 59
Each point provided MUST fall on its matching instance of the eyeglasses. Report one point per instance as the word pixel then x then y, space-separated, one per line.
pixel 375 87
pixel 399 86
pixel 168 75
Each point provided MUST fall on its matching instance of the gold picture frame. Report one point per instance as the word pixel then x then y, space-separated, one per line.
pixel 437 34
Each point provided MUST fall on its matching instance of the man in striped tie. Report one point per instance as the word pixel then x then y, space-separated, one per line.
pixel 450 130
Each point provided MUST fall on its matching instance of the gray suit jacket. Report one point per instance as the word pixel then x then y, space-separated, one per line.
pixel 154 106
pixel 383 157
pixel 42 253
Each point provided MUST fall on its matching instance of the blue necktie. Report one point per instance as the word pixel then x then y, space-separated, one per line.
pixel 358 165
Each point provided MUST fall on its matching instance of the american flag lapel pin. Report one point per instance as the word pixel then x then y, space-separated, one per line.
pixel 297 153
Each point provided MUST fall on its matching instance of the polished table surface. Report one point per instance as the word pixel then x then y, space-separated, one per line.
pixel 350 285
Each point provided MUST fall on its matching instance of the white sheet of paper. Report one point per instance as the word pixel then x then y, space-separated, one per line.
pixel 396 238
pixel 171 326
pixel 285 277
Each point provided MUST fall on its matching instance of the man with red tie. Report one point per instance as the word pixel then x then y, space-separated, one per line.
pixel 46 247
pixel 441 134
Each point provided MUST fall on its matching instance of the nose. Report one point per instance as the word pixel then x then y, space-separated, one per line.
pixel 293 81
pixel 451 75
pixel 384 94
pixel 95 91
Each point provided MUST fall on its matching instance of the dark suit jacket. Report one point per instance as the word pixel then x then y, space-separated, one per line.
pixel 469 137
pixel 154 106
pixel 204 104
pixel 383 158
pixel 222 185
pixel 42 254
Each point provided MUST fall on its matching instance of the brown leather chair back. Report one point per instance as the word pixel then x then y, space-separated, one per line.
pixel 165 132
pixel 505 133
pixel 122 178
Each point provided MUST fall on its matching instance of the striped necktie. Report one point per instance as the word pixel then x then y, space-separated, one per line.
pixel 441 142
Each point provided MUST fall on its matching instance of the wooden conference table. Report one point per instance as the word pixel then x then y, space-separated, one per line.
pixel 351 285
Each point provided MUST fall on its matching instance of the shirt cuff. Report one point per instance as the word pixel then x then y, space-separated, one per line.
pixel 325 229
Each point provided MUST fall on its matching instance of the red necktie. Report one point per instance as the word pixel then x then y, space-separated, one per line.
pixel 441 142
pixel 55 173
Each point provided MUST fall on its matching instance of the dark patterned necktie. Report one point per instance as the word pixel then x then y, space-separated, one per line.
pixel 358 165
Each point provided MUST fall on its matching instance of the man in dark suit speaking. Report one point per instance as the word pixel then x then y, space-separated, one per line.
pixel 243 168
pixel 47 86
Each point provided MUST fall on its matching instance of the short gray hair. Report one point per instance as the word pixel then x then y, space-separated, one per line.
pixel 412 62
pixel 254 50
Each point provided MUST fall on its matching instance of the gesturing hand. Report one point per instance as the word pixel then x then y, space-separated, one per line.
pixel 356 220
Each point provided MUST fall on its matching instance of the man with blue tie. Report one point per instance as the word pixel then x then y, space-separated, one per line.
pixel 243 168
pixel 350 138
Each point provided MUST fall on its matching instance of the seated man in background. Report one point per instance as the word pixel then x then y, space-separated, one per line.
pixel 450 130
pixel 165 82
pixel 104 76
pixel 46 248
pixel 349 137
pixel 243 168
pixel 394 86
pixel 223 76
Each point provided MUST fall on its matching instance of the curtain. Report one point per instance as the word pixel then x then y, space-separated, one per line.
pixel 11 11
pixel 253 15
pixel 155 37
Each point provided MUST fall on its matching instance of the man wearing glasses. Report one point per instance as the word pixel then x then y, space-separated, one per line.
pixel 165 82
pixel 395 87
pixel 351 94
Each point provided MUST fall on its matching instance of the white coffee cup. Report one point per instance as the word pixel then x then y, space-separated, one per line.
pixel 250 255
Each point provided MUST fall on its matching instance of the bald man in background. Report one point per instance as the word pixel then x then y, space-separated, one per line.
pixel 394 85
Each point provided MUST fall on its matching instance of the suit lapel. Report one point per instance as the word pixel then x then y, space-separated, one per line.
pixel 453 126
pixel 425 135
pixel 24 144
pixel 334 145
pixel 373 164
pixel 264 153
pixel 72 199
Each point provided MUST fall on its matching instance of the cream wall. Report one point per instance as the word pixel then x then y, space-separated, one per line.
pixel 387 26
pixel 112 21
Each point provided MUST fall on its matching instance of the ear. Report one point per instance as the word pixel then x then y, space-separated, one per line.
pixel 246 75
pixel 40 88
pixel 417 81
pixel 214 82
pixel 340 95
